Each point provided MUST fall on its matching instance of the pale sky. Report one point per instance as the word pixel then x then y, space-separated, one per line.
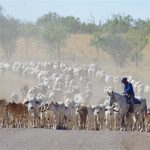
pixel 30 10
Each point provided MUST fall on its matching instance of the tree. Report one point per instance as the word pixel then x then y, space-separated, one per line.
pixel 118 24
pixel 8 34
pixel 54 36
pixel 58 37
pixel 51 17
pixel 1 11
pixel 53 32
pixel 142 25
pixel 138 41
pixel 91 28
pixel 28 31
pixel 73 24
pixel 95 41
pixel 116 46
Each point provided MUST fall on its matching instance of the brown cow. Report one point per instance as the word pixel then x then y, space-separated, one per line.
pixel 3 115
pixel 16 113
pixel 83 112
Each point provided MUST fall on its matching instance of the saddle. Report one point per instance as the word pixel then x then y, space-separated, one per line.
pixel 136 101
pixel 131 102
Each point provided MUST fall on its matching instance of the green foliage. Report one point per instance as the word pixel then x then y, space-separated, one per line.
pixel 53 32
pixel 73 24
pixel 96 40
pixel 122 37
pixel 51 17
pixel 117 46
pixel 28 30
pixel 138 41
pixel 143 26
pixel 8 34
pixel 1 11
pixel 91 28
pixel 118 24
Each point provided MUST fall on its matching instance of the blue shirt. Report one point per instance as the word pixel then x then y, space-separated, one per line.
pixel 128 88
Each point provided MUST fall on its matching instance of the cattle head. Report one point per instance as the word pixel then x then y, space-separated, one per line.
pixel 32 104
pixel 46 106
pixel 52 106
pixel 82 110
pixel 96 110
pixel 77 109
pixel 42 108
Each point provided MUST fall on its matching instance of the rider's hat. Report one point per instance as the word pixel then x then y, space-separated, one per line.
pixel 124 80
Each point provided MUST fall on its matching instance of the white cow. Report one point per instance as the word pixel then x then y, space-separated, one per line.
pixel 109 116
pixel 33 108
pixel 99 115
pixel 91 119
pixel 59 113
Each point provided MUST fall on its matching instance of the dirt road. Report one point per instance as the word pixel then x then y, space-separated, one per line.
pixel 44 139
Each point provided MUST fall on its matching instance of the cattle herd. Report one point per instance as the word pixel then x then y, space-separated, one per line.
pixel 66 97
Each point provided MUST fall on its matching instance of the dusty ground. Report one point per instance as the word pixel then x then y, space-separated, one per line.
pixel 44 139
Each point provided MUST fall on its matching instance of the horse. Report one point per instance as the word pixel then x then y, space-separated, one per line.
pixel 124 108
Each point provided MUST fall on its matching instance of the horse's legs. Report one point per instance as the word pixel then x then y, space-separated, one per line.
pixel 135 121
pixel 142 117
pixel 122 122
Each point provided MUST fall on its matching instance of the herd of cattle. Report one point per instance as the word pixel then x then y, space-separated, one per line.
pixel 66 97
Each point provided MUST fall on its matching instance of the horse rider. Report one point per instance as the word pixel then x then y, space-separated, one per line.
pixel 128 92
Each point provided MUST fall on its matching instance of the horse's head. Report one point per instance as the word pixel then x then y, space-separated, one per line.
pixel 112 98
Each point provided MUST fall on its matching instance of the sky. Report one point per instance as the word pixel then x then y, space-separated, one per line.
pixel 30 10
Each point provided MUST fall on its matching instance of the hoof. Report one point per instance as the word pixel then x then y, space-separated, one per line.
pixel 121 129
pixel 141 130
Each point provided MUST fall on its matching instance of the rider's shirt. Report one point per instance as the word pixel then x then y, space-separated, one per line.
pixel 128 89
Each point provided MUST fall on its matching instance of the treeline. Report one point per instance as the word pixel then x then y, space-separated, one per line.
pixel 121 36
pixel 51 29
